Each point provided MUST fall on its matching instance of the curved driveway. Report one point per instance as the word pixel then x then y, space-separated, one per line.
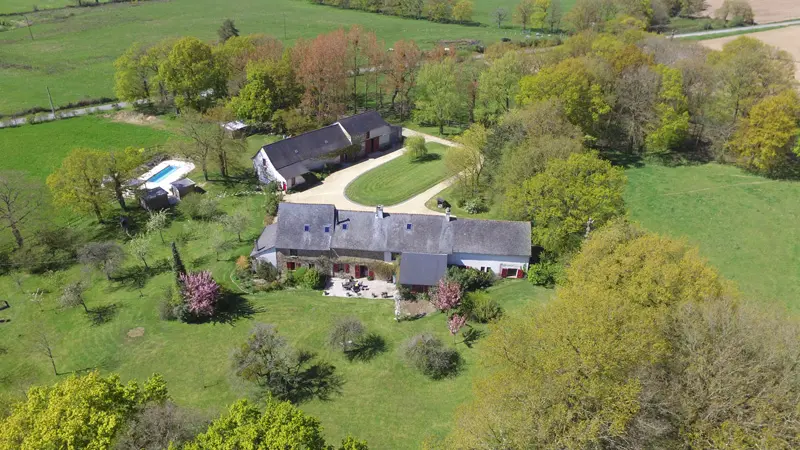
pixel 331 191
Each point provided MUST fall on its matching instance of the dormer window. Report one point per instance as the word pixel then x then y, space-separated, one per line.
pixel 344 226
pixel 306 228
pixel 408 226
pixel 327 228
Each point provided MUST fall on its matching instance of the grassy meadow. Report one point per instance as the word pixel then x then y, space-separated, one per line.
pixel 74 49
pixel 747 226
pixel 399 179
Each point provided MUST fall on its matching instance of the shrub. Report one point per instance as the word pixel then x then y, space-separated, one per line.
pixel 345 332
pixel 312 279
pixel 266 271
pixel 383 271
pixel 429 355
pixel 545 273
pixel 405 292
pixel 416 148
pixel 243 267
pixel 481 307
pixel 475 205
pixel 470 279
pixel 200 207
pixel 271 203
pixel 296 277
pixel 201 293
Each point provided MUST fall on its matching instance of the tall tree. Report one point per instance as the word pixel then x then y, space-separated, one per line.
pixel 401 73
pixel 466 161
pixel 462 11
pixel 78 183
pixel 499 16
pixel 106 257
pixel 270 86
pixel 437 97
pixel 132 79
pixel 193 74
pixel 523 13
pixel 498 86
pixel 78 412
pixel 206 139
pixel 554 15
pixel 322 67
pixel 21 201
pixel 140 248
pixel 568 199
pixel 227 30
pixel 765 139
pixel 120 167
pixel 240 51
pixel 360 45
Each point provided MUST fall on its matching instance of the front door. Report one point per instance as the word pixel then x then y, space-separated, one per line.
pixel 363 271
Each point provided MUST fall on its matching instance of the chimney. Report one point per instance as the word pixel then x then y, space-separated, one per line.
pixel 447 214
pixel 379 212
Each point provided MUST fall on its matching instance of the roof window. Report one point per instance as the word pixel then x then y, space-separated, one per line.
pixel 327 228
pixel 344 226
pixel 306 228
pixel 408 226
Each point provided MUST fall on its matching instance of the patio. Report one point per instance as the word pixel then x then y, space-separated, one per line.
pixel 360 287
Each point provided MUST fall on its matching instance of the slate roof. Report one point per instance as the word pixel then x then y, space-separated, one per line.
pixel 267 239
pixel 429 234
pixel 422 269
pixel 183 182
pixel 152 194
pixel 293 217
pixel 313 144
pixel 361 123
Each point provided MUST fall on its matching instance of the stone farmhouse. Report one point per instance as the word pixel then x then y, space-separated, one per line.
pixel 352 138
pixel 357 243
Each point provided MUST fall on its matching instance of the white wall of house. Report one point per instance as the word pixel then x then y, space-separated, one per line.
pixel 387 257
pixel 265 170
pixel 494 262
pixel 269 255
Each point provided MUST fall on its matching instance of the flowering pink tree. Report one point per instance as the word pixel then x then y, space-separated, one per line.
pixel 448 295
pixel 201 293
pixel 455 323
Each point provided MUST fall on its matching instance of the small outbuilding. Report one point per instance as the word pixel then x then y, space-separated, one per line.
pixel 236 129
pixel 154 199
pixel 182 188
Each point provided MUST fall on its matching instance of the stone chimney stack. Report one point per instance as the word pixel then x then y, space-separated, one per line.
pixel 379 212
pixel 447 214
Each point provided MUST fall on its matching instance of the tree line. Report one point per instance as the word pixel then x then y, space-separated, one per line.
pixel 459 11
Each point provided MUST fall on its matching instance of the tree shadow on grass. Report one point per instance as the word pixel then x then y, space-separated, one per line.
pixel 427 158
pixel 319 380
pixel 135 277
pixel 233 307
pixel 471 336
pixel 367 348
pixel 102 314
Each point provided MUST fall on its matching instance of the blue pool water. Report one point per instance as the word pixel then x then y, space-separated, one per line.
pixel 162 174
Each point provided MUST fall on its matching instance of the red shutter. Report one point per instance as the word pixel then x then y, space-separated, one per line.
pixel 347 268
pixel 371 274
pixel 519 273
pixel 503 273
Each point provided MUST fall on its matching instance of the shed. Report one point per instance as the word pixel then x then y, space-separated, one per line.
pixel 154 199
pixel 182 187
pixel 235 129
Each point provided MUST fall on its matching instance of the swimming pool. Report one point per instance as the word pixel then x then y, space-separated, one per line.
pixel 163 173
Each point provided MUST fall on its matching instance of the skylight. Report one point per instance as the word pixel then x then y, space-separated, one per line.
pixel 306 228
pixel 344 226
pixel 408 226
pixel 327 228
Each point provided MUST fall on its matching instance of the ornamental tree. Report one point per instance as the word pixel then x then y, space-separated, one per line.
pixel 200 292
pixel 455 323
pixel 447 296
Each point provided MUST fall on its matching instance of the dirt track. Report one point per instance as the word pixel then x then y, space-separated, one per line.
pixel 766 10
pixel 784 38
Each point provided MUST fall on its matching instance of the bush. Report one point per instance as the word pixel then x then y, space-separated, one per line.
pixel 481 308
pixel 243 267
pixel 383 271
pixel 201 293
pixel 470 279
pixel 51 249
pixel 200 207
pixel 312 279
pixel 266 271
pixel 545 273
pixel 416 148
pixel 296 277
pixel 273 199
pixel 475 205
pixel 405 292
pixel 429 355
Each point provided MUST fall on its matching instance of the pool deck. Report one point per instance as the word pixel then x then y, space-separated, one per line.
pixel 182 168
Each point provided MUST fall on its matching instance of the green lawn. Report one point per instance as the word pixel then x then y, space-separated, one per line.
pixel 450 195
pixel 74 49
pixel 39 149
pixel 399 179
pixel 745 225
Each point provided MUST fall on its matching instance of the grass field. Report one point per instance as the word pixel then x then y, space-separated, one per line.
pixel 74 54
pixel 39 149
pixel 399 179
pixel 745 225
pixel 451 197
